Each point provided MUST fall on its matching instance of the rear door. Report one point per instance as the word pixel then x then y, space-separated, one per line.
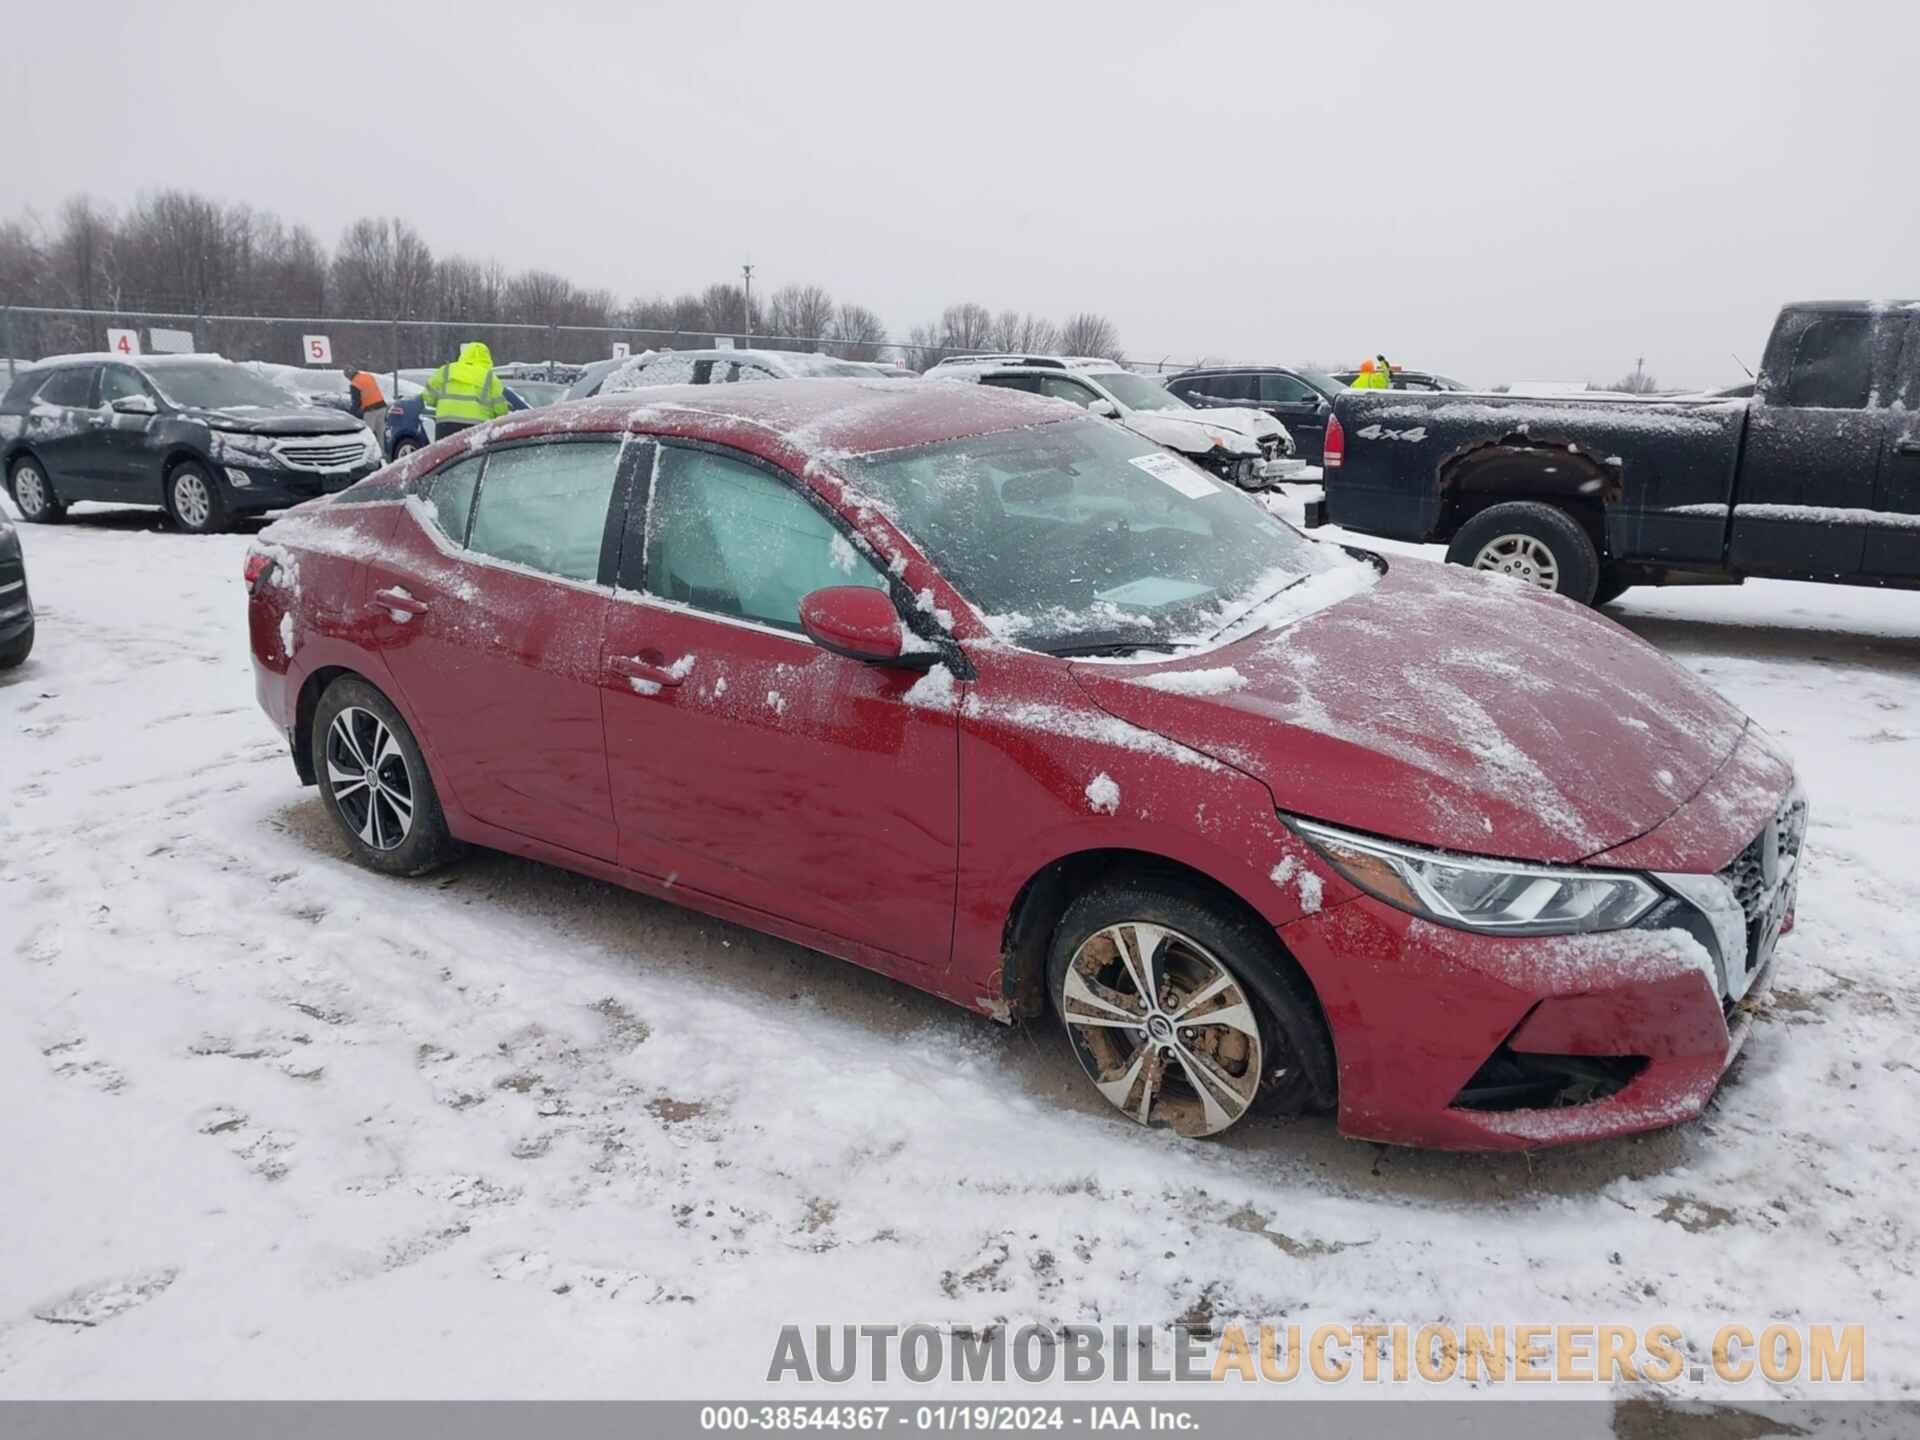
pixel 1815 434
pixel 64 431
pixel 487 606
pixel 747 762
pixel 1893 542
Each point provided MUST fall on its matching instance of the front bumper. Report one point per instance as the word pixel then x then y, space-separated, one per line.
pixel 1457 1039
pixel 248 486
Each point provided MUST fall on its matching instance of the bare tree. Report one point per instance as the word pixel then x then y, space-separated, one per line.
pixel 858 333
pixel 1089 334
pixel 800 312
pixel 1027 334
pixel 82 258
pixel 25 273
pixel 383 267
pixel 923 348
pixel 966 326
pixel 1637 381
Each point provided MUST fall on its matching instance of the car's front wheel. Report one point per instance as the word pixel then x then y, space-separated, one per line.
pixel 404 448
pixel 374 781
pixel 14 652
pixel 1181 1011
pixel 194 500
pixel 33 494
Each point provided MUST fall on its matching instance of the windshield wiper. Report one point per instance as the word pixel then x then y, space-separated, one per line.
pixel 1241 617
pixel 1107 645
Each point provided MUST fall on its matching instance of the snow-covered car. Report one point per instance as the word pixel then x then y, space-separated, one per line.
pixel 1242 446
pixel 726 367
pixel 16 605
pixel 325 386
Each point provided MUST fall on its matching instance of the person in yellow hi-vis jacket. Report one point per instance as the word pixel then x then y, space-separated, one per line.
pixel 465 392
pixel 1375 374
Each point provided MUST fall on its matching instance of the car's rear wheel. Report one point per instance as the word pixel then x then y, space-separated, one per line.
pixel 1540 544
pixel 194 500
pixel 14 652
pixel 33 493
pixel 1181 1012
pixel 404 448
pixel 374 781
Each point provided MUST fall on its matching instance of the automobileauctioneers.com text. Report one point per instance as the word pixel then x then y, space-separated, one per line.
pixel 1370 1354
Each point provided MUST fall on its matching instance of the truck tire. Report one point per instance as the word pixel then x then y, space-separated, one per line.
pixel 1532 541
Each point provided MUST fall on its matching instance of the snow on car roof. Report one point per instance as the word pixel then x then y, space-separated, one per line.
pixel 95 357
pixel 815 417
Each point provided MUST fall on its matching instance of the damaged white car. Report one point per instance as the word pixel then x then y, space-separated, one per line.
pixel 1246 447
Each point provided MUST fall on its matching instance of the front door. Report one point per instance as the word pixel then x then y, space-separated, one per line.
pixel 1814 437
pixel 1893 541
pixel 750 764
pixel 129 463
pixel 488 605
pixel 1299 407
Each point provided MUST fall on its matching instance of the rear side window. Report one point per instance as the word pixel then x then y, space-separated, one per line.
pixel 1832 364
pixel 1231 387
pixel 1072 391
pixel 451 493
pixel 545 506
pixel 67 387
pixel 1026 384
pixel 733 539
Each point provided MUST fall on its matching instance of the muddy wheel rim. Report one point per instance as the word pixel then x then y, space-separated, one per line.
pixel 404 448
pixel 1523 557
pixel 191 500
pixel 367 776
pixel 30 490
pixel 1164 1030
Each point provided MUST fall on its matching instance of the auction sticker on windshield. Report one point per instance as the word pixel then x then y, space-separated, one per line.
pixel 1177 473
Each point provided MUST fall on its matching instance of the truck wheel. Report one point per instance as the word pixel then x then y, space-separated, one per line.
pixel 1538 543
pixel 1614 582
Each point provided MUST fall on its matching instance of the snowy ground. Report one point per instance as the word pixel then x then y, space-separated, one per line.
pixel 277 1126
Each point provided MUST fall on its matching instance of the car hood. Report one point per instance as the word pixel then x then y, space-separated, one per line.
pixel 276 420
pixel 1193 434
pixel 1447 708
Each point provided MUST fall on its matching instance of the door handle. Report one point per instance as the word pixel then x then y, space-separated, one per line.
pixel 640 675
pixel 397 599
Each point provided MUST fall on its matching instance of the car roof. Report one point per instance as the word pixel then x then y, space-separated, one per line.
pixel 102 357
pixel 798 420
pixel 1037 362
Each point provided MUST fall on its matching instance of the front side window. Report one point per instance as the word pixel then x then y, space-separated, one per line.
pixel 545 506
pixel 1833 364
pixel 1285 390
pixel 67 387
pixel 119 383
pixel 1073 392
pixel 1079 534
pixel 1137 392
pixel 728 537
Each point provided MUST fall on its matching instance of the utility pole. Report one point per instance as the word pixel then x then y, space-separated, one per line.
pixel 746 305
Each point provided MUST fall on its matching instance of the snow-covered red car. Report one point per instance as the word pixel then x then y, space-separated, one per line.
pixel 1238 444
pixel 1006 702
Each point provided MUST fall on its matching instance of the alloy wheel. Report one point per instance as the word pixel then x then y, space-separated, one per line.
pixel 30 491
pixel 368 778
pixel 1164 1030
pixel 1523 557
pixel 191 500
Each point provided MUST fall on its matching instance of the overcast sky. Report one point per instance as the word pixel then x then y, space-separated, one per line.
pixel 1493 191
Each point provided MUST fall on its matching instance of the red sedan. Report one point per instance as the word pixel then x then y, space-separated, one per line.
pixel 1002 700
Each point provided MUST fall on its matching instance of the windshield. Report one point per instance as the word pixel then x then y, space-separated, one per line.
pixel 1137 392
pixel 1079 535
pixel 815 366
pixel 538 392
pixel 213 385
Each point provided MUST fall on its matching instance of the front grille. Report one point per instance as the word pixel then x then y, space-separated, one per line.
pixel 326 453
pixel 1747 872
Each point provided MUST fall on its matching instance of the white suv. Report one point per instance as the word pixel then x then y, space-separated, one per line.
pixel 1247 447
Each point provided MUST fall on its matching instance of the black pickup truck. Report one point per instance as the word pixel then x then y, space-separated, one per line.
pixel 1815 477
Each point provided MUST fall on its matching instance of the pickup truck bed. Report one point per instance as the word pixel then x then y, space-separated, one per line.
pixel 1816 477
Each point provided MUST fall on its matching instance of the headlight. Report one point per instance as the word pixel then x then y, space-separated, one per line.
pixel 238 443
pixel 1500 896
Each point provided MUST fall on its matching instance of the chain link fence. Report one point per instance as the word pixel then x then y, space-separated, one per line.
pixel 34 332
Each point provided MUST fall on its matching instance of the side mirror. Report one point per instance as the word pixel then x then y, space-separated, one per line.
pixel 1105 407
pixel 853 621
pixel 135 405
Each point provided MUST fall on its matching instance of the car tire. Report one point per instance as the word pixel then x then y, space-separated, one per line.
pixel 1614 582
pixel 1269 1048
pixel 1535 542
pixel 33 493
pixel 404 448
pixel 194 501
pixel 373 780
pixel 14 652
